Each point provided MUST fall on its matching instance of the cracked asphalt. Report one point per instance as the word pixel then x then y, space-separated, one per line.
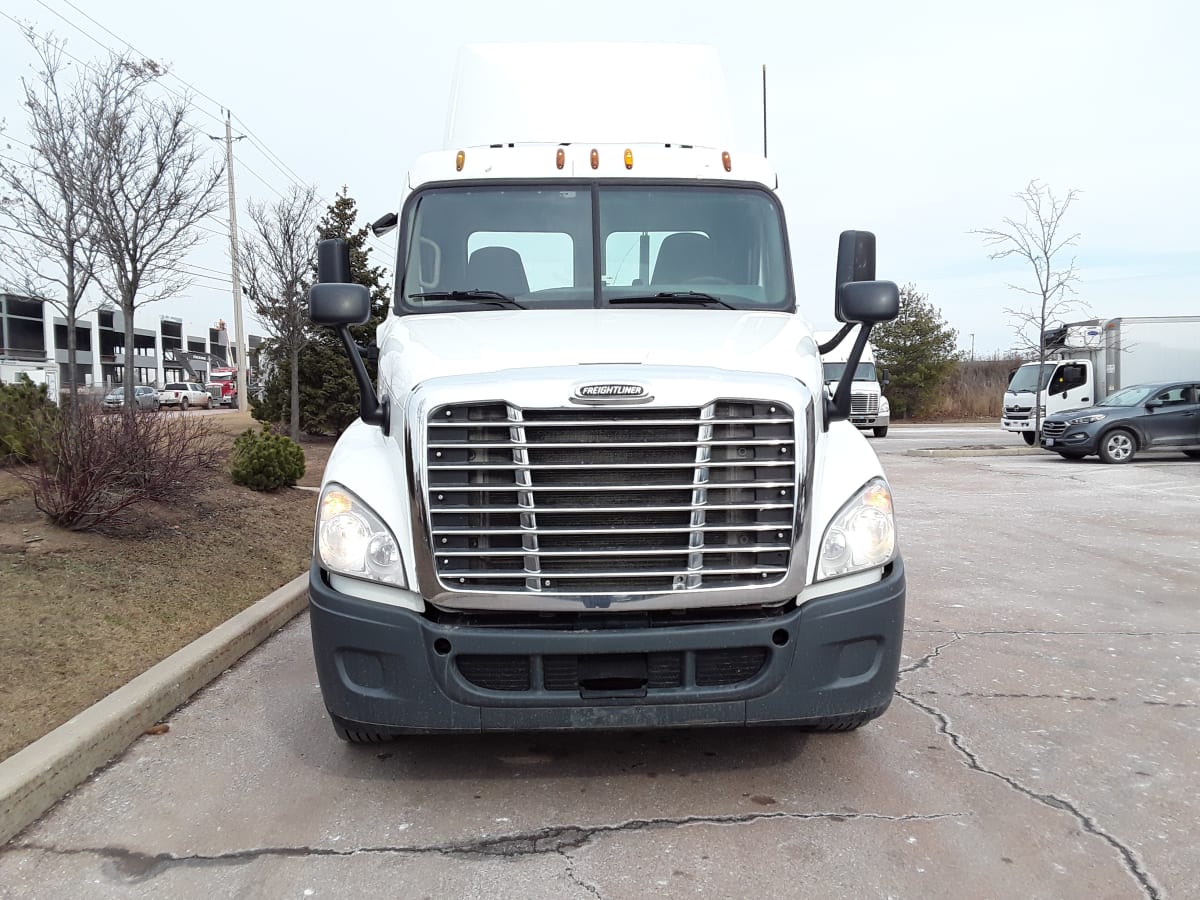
pixel 1044 742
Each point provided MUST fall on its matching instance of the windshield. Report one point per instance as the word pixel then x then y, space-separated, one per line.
pixel 1131 396
pixel 537 247
pixel 864 372
pixel 1026 377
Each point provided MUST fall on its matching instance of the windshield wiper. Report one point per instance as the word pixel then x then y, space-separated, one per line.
pixel 670 298
pixel 490 298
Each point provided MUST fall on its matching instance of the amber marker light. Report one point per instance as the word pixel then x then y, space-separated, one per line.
pixel 459 159
pixel 560 158
pixel 595 159
pixel 726 161
pixel 334 504
pixel 628 158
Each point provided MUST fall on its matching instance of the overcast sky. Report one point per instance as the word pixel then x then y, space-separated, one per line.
pixel 915 120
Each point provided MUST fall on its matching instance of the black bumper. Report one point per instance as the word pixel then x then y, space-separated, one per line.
pixel 390 670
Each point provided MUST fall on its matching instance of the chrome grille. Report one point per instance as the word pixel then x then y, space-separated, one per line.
pixel 1053 429
pixel 864 404
pixel 611 500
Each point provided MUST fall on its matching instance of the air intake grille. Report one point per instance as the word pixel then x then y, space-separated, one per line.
pixel 611 500
pixel 864 404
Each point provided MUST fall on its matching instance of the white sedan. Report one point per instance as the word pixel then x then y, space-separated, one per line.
pixel 184 394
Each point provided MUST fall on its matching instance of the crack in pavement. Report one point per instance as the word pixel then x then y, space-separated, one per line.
pixel 929 657
pixel 136 866
pixel 575 879
pixel 1132 864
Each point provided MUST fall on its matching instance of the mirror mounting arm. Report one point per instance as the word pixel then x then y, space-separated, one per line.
pixel 371 409
pixel 837 406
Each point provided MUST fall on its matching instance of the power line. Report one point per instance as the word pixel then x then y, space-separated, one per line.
pixel 109 31
pixel 260 145
pixel 100 43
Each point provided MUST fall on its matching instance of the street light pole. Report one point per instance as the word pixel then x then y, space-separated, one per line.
pixel 972 346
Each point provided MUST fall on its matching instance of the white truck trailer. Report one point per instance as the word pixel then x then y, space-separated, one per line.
pixel 1092 359
pixel 599 482
pixel 869 409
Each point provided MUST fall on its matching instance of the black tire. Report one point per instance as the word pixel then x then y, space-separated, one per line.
pixel 849 722
pixel 881 431
pixel 1029 436
pixel 1192 454
pixel 1118 446
pixel 1074 455
pixel 183 404
pixel 356 733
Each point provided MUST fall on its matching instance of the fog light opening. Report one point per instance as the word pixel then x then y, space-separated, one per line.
pixel 780 637
pixel 441 646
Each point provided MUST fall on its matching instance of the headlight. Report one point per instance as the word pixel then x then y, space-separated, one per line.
pixel 862 535
pixel 352 540
pixel 1085 420
pixel 885 408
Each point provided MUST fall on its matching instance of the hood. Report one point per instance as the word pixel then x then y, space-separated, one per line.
pixel 1111 412
pixel 418 347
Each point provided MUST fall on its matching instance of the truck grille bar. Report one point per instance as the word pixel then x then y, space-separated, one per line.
pixel 608 501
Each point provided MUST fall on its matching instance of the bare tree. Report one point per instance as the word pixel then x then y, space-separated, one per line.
pixel 152 190
pixel 276 263
pixel 48 241
pixel 1039 240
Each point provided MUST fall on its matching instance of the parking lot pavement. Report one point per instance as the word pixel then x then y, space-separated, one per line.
pixel 1044 743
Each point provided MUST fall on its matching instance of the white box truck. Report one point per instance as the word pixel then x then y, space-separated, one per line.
pixel 599 482
pixel 869 409
pixel 1090 360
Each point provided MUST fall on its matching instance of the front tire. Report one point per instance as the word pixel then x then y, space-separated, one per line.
pixel 1074 455
pixel 881 431
pixel 1030 437
pixel 1118 446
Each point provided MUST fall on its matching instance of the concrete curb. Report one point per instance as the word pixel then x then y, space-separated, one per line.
pixel 34 779
pixel 982 451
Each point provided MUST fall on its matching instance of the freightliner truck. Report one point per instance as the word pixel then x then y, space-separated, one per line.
pixel 599 481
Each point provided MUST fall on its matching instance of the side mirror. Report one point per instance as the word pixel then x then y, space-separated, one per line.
pixel 1153 404
pixel 887 379
pixel 333 261
pixel 868 302
pixel 339 304
pixel 856 266
pixel 336 302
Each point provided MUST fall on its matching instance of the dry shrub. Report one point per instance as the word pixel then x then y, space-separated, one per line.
pixel 99 468
pixel 975 390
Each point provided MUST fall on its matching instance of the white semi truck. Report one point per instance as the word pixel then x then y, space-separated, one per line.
pixel 869 409
pixel 1090 360
pixel 599 482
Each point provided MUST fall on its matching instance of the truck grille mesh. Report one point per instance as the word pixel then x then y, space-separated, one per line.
pixel 864 404
pixel 611 500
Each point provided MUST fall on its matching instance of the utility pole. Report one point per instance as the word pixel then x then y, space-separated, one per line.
pixel 241 359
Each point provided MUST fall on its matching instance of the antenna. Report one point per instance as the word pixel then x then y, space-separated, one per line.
pixel 764 92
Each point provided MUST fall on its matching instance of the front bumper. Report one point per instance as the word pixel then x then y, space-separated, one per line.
pixel 1076 438
pixel 390 670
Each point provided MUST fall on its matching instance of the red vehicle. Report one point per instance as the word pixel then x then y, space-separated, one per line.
pixel 222 385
